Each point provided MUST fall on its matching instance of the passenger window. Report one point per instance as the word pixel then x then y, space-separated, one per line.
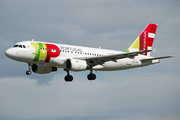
pixel 24 46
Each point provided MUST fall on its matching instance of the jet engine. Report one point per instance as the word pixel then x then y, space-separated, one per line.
pixel 76 65
pixel 43 69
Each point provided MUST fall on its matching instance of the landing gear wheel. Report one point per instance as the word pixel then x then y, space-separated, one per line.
pixel 68 78
pixel 91 77
pixel 28 72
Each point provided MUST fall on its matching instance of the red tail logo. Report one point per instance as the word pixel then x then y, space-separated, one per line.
pixel 144 40
pixel 147 37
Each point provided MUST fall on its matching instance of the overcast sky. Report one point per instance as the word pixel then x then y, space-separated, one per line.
pixel 148 93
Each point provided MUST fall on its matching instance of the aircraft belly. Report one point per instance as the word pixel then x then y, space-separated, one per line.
pixel 59 62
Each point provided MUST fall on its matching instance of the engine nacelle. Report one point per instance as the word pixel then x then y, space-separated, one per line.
pixel 43 69
pixel 76 65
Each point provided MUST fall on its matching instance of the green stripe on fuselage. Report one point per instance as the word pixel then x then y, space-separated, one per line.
pixel 37 51
pixel 43 50
pixel 40 51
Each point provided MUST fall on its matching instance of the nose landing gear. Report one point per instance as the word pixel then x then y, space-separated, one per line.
pixel 29 71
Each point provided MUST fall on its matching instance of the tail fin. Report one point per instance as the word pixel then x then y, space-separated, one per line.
pixel 144 40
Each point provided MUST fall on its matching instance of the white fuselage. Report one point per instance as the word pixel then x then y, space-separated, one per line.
pixel 28 53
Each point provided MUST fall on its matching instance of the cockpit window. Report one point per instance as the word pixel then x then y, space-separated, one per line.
pixel 15 45
pixel 20 46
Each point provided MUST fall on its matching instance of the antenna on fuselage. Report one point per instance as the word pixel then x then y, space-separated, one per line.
pixel 33 39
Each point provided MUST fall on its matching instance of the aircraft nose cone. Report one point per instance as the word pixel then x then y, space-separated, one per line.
pixel 9 53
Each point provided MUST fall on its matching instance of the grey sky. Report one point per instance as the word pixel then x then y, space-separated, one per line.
pixel 144 93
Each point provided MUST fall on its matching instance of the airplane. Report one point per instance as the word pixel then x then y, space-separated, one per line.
pixel 45 57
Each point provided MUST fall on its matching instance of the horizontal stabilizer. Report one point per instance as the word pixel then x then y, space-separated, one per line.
pixel 156 58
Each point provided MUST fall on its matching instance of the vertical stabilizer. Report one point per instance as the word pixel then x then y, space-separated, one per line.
pixel 145 40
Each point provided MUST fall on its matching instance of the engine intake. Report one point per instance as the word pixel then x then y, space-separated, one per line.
pixel 43 69
pixel 76 65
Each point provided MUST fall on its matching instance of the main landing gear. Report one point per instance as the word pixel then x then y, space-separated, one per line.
pixel 29 71
pixel 68 77
pixel 91 76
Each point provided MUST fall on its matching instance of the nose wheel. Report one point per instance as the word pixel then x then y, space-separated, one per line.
pixel 29 71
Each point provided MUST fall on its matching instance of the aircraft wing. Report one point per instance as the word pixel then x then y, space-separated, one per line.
pixel 113 57
pixel 156 58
